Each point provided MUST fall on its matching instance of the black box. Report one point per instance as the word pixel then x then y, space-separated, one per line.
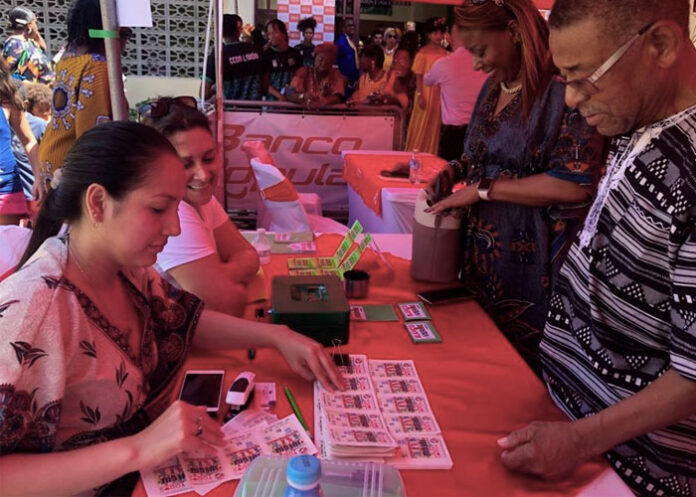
pixel 315 306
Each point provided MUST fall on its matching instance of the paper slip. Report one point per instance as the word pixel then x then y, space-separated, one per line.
pixel 302 263
pixel 411 425
pixel 287 437
pixel 413 311
pixel 342 249
pixel 355 365
pixel 206 470
pixel 248 420
pixel 327 263
pixel 357 384
pixel 264 396
pixel 355 230
pixel 373 313
pixel 426 452
pixel 400 404
pixel 303 247
pixel 351 436
pixel 202 474
pixel 348 419
pixel 359 402
pixel 397 385
pixel 166 479
pixel 240 451
pixel 422 332
pixel 351 260
pixel 303 272
pixel 392 369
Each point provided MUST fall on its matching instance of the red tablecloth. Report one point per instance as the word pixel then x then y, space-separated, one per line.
pixel 361 172
pixel 478 387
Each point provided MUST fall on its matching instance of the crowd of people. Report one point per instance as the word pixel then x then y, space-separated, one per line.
pixel 579 247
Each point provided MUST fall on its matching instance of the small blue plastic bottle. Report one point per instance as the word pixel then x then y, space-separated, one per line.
pixel 303 477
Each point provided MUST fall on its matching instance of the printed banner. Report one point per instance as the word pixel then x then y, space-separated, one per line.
pixel 306 148
pixel 293 11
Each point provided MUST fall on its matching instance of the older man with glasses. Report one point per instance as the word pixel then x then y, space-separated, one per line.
pixel 619 347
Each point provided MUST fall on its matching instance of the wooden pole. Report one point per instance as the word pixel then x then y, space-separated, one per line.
pixel 119 107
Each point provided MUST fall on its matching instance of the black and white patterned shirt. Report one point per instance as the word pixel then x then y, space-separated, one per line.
pixel 624 309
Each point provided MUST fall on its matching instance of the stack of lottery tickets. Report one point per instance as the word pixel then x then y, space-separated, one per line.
pixel 247 436
pixel 402 416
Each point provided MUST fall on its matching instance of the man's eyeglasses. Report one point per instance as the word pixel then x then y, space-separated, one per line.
pixel 588 85
pixel 163 106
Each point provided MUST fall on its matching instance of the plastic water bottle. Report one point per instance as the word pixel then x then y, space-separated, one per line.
pixel 303 477
pixel 414 168
pixel 262 246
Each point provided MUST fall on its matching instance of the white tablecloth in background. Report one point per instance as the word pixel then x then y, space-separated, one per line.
pixel 397 211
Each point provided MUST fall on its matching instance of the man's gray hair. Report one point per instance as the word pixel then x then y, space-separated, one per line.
pixel 620 18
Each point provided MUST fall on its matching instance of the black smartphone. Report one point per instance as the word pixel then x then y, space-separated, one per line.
pixel 446 295
pixel 203 388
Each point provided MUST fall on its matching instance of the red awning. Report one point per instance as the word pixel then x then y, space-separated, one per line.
pixel 542 4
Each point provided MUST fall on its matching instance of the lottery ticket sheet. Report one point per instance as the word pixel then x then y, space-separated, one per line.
pixel 247 436
pixel 348 422
pixel 404 404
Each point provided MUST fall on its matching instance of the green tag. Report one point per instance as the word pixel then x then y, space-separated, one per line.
pixel 355 230
pixel 364 242
pixel 302 263
pixel 103 33
pixel 351 260
pixel 343 249
pixel 327 263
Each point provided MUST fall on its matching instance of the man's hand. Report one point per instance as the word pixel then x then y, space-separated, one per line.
pixel 550 450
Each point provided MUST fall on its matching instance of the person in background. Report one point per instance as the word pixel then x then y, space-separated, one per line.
pixel 243 69
pixel 280 59
pixel 81 91
pixel 424 128
pixel 401 82
pixel 37 102
pixel 209 247
pixel 460 85
pixel 24 50
pixel 373 78
pixel 392 37
pixel 13 205
pixel 94 339
pixel 321 85
pixel 619 347
pixel 409 26
pixel 377 36
pixel 306 46
pixel 530 165
pixel 348 56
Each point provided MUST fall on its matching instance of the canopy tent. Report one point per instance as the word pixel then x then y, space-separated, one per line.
pixel 541 4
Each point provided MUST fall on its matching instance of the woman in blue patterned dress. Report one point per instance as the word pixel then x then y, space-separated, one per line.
pixel 530 166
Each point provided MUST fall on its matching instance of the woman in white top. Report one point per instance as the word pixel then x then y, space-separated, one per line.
pixel 210 249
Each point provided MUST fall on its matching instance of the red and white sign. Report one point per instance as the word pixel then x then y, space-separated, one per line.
pixel 292 11
pixel 306 148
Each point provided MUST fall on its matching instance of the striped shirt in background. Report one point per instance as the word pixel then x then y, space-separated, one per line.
pixel 624 309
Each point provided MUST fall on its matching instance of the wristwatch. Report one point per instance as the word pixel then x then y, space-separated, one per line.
pixel 484 187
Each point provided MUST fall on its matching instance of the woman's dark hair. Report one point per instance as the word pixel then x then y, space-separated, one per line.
pixel 179 118
pixel 116 155
pixel 280 26
pixel 83 16
pixel 8 88
pixel 307 23
pixel 230 25
pixel 435 24
pixel 409 41
pixel 375 53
